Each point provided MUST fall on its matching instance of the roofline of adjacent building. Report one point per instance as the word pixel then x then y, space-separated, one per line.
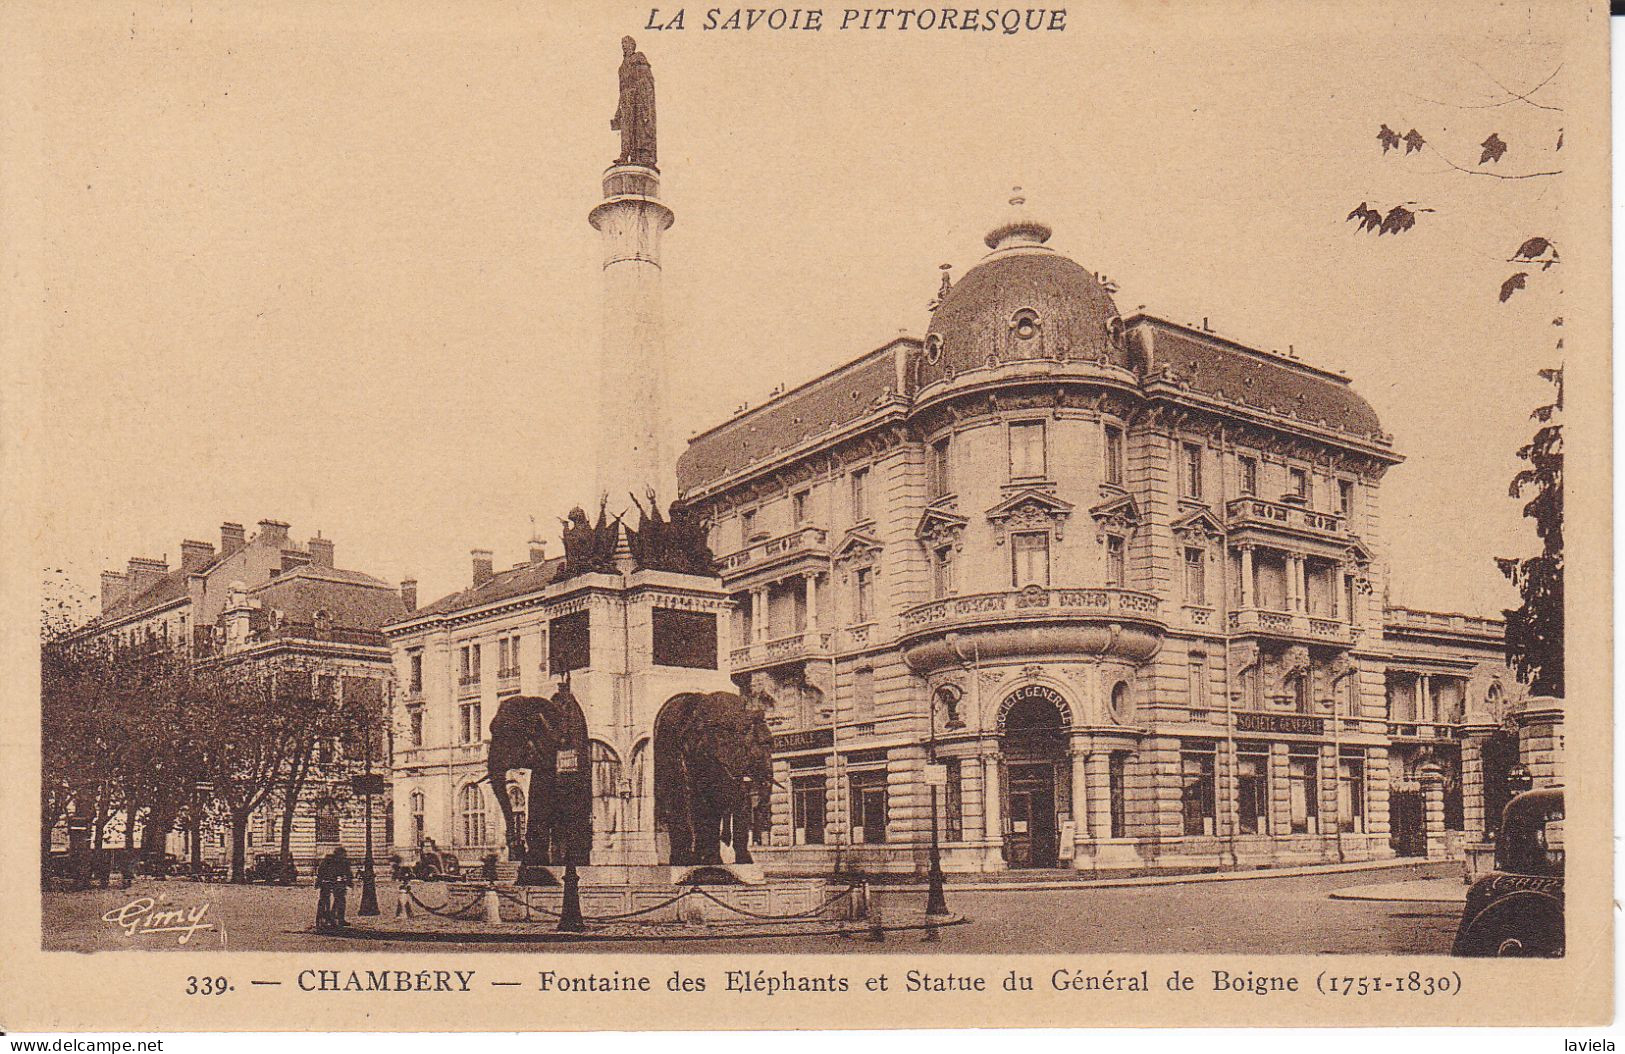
pixel 782 396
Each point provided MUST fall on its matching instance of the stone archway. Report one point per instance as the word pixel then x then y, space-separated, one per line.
pixel 1033 723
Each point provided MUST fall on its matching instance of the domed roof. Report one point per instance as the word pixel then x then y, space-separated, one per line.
pixel 1022 301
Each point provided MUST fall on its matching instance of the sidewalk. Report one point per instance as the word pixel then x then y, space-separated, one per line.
pixel 1420 891
pixel 969 882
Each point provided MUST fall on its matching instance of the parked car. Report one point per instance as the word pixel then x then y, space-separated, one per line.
pixel 1517 909
pixel 274 869
pixel 434 864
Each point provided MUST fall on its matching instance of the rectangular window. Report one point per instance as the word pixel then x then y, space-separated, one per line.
pixel 1027 454
pixel 1351 795
pixel 1348 598
pixel 798 507
pixel 868 797
pixel 1029 559
pixel 863 694
pixel 1190 476
pixel 1114 561
pixel 1249 476
pixel 860 495
pixel 942 579
pixel 469 728
pixel 1195 576
pixel 475 651
pixel 684 638
pixel 1198 679
pixel 1299 480
pixel 1253 790
pixel 953 806
pixel 1300 693
pixel 1114 455
pixel 414 717
pixel 807 810
pixel 1303 791
pixel 1345 497
pixel 415 672
pixel 939 482
pixel 1117 780
pixel 1196 795
pixel 747 526
pixel 862 595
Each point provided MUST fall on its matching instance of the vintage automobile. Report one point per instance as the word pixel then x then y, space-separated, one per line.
pixel 435 864
pixel 273 869
pixel 1517 909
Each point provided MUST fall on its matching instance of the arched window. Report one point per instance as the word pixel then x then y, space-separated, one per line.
pixel 606 788
pixel 417 818
pixel 1122 703
pixel 471 803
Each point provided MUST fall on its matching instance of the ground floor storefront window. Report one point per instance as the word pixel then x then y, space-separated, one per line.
pixel 807 810
pixel 1197 790
pixel 1253 789
pixel 1351 795
pixel 1303 791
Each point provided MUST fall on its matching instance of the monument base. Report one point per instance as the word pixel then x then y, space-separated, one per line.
pixel 536 875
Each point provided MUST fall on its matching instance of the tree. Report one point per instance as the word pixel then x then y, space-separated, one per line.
pixel 1534 630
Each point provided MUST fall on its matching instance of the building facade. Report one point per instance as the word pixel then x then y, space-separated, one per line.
pixel 1084 591
pixel 266 600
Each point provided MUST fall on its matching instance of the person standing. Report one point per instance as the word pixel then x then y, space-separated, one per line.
pixel 338 878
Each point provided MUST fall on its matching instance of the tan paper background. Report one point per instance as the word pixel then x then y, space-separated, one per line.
pixel 317 225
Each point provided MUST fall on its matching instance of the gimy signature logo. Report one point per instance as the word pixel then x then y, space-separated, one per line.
pixel 144 915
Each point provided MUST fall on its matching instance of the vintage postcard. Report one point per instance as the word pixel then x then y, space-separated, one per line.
pixel 805 516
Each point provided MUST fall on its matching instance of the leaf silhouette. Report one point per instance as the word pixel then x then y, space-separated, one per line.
pixel 1513 284
pixel 1414 141
pixel 1389 139
pixel 1560 139
pixel 1398 220
pixel 1370 219
pixel 1532 248
pixel 1493 149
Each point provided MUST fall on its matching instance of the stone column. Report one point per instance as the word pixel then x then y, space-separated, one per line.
pixel 992 805
pixel 1280 793
pixel 810 581
pixel 1472 783
pixel 783 833
pixel 1294 582
pixel 1080 787
pixel 758 615
pixel 1248 585
pixel 1433 809
pixel 1097 767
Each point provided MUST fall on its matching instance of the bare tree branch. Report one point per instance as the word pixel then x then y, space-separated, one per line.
pixel 1494 175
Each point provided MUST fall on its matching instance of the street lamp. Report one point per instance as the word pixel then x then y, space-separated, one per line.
pixel 368 784
pixel 936 774
pixel 570 920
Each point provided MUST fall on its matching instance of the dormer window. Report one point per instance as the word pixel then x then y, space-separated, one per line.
pixel 1024 324
pixel 933 348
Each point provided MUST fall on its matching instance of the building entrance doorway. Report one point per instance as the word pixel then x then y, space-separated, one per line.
pixel 1407 831
pixel 1034 839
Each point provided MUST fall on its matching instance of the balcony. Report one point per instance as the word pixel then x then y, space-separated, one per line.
pixel 1281 516
pixel 1293 624
pixel 768 552
pixel 468 684
pixel 1033 621
pixel 811 644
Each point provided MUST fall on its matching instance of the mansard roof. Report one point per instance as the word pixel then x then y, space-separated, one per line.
pixel 517 581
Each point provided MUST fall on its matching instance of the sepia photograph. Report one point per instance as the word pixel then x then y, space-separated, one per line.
pixel 631 482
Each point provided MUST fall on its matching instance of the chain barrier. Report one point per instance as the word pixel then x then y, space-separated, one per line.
pixel 522 902
pixel 442 911
pixel 799 915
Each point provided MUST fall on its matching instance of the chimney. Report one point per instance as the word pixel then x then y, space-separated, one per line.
pixel 273 532
pixel 194 555
pixel 113 588
pixel 231 538
pixel 409 593
pixel 143 572
pixel 321 551
pixel 538 551
pixel 482 566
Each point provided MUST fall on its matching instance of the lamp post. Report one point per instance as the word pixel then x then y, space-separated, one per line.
pixel 368 784
pixel 936 901
pixel 570 920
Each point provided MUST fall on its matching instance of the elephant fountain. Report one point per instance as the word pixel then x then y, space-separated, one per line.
pixel 713 755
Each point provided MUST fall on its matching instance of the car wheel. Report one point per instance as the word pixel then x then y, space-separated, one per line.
pixel 1518 928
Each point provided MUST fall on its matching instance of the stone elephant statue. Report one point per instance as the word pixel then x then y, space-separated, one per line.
pixel 528 732
pixel 713 755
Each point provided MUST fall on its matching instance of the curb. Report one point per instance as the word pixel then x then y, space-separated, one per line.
pixel 1309 870
pixel 856 931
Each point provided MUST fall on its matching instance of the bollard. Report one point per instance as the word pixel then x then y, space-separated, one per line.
pixel 877 929
pixel 493 906
pixel 931 934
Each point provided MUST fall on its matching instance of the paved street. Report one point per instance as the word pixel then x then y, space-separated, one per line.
pixel 1257 915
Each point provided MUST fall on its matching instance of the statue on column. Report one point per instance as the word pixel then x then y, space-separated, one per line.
pixel 635 117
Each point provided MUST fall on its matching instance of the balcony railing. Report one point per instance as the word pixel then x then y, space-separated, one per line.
pixel 1290 624
pixel 811 644
pixel 1034 600
pixel 802 540
pixel 1258 512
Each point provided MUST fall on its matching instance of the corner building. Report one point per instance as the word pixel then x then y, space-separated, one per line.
pixel 1121 577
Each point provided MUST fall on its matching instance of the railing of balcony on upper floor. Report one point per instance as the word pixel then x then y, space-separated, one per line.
pixel 803 644
pixel 1261 512
pixel 1124 603
pixel 806 539
pixel 1290 624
